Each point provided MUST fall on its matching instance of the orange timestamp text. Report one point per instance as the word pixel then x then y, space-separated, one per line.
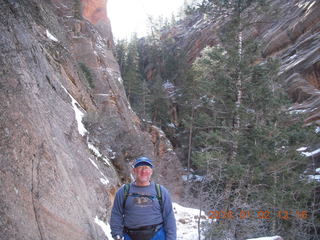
pixel 260 214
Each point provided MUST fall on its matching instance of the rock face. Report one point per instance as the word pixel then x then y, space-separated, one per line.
pixel 58 177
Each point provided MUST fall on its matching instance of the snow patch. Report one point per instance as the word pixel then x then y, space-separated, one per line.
pixel 105 227
pixel 302 149
pixel 168 85
pixel 94 149
pixel 266 238
pixel 104 181
pixel 318 170
pixel 93 163
pixel 98 154
pixel 187 222
pixel 192 178
pixel 298 111
pixel 310 154
pixel 172 125
pixel 50 36
pixel 314 177
pixel 112 153
pixel 78 113
pixel 317 130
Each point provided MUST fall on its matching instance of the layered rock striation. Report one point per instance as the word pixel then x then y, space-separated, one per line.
pixel 67 131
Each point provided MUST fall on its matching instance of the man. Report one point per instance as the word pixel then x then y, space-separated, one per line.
pixel 138 212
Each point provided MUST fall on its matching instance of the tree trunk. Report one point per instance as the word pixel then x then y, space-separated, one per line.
pixel 238 102
pixel 190 143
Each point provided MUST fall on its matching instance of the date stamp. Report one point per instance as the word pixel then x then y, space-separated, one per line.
pixel 259 214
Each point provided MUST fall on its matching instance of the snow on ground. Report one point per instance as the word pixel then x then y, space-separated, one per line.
pixel 266 238
pixel 192 178
pixel 187 222
pixel 105 227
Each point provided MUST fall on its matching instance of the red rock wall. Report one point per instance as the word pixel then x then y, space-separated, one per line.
pixel 95 10
pixel 52 184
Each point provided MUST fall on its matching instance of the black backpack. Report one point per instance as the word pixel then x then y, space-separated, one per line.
pixel 158 190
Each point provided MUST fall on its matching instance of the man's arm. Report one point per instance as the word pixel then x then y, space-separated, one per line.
pixel 116 220
pixel 168 216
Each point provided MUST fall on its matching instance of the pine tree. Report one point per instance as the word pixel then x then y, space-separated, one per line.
pixel 120 53
pixel 243 138
pixel 129 59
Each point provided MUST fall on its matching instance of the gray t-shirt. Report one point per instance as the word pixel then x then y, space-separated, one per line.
pixel 142 211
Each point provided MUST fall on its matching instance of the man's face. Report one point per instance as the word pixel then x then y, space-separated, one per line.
pixel 142 174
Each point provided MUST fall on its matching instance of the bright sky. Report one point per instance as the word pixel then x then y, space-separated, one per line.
pixel 128 16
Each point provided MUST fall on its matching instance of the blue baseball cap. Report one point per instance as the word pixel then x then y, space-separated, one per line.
pixel 143 161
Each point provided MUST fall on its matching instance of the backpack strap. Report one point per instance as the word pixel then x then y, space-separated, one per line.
pixel 159 195
pixel 126 194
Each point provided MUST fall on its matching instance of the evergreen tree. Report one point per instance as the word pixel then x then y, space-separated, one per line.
pixel 120 53
pixel 129 60
pixel 243 140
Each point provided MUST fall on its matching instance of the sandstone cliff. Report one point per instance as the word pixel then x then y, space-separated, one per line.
pixel 67 131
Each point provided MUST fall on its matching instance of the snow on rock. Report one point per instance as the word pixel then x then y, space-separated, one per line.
pixel 78 113
pixel 105 227
pixel 314 178
pixel 310 154
pixel 103 180
pixel 267 238
pixel 302 149
pixel 98 154
pixel 168 85
pixel 172 125
pixel 112 153
pixel 93 163
pixel 298 111
pixel 187 222
pixel 50 36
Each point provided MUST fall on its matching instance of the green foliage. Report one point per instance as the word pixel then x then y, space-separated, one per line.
pixel 138 92
pixel 243 140
pixel 77 9
pixel 121 48
pixel 256 164
pixel 88 75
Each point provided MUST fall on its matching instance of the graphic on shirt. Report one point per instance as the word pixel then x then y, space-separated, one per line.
pixel 142 199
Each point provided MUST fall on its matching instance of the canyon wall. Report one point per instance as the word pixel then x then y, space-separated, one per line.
pixel 68 134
